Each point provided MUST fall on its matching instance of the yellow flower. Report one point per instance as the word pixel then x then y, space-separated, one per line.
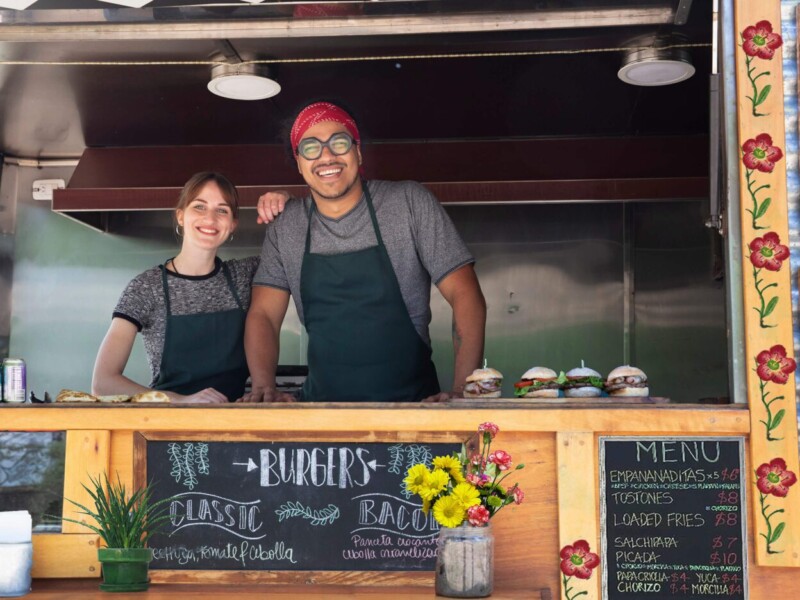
pixel 451 465
pixel 449 511
pixel 417 478
pixel 467 494
pixel 426 506
pixel 435 484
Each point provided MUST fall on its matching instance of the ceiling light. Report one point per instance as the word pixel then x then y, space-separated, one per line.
pixel 128 3
pixel 242 82
pixel 656 66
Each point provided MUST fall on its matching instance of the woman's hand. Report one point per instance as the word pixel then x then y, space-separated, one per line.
pixel 206 396
pixel 270 205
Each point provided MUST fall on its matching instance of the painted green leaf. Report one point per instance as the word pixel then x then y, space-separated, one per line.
pixel 763 208
pixel 778 531
pixel 763 95
pixel 778 418
pixel 771 306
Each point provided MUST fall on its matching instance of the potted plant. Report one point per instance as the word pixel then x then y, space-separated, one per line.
pixel 125 521
pixel 464 492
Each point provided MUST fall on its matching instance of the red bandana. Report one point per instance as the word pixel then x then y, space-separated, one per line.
pixel 320 112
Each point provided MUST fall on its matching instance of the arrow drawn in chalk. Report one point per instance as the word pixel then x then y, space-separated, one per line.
pixel 373 464
pixel 250 464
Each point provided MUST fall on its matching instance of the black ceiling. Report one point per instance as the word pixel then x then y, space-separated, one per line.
pixel 395 99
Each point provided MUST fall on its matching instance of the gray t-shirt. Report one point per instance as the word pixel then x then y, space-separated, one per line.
pixel 142 302
pixel 421 240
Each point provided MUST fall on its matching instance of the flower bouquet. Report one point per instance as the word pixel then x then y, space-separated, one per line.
pixel 465 490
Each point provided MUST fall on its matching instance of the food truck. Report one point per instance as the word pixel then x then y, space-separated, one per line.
pixel 626 177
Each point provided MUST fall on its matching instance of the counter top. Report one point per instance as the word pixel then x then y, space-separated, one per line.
pixel 87 589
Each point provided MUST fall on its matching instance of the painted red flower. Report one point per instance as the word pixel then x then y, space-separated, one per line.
pixel 517 493
pixel 767 252
pixel 773 478
pixel 489 428
pixel 774 365
pixel 478 515
pixel 501 458
pixel 760 154
pixel 758 40
pixel 577 560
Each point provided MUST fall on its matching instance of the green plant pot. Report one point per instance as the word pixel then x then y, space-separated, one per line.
pixel 125 569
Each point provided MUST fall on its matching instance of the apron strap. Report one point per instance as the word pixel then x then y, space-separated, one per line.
pixel 166 287
pixel 313 208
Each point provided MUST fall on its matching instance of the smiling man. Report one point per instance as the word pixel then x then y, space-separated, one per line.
pixel 358 258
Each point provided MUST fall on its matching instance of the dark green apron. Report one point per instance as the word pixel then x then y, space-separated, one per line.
pixel 204 350
pixel 362 345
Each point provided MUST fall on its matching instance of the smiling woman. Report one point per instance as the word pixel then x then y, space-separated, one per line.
pixel 190 310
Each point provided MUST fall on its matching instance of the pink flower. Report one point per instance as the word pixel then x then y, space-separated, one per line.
pixel 489 428
pixel 774 365
pixel 760 154
pixel 517 493
pixel 478 479
pixel 477 460
pixel 577 560
pixel 501 458
pixel 758 40
pixel 773 478
pixel 768 252
pixel 478 515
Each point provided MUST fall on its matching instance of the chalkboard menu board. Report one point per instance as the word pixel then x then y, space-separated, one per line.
pixel 291 506
pixel 673 518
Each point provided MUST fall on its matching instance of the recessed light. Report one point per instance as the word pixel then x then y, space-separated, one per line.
pixel 242 82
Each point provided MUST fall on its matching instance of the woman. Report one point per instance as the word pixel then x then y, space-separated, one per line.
pixel 191 310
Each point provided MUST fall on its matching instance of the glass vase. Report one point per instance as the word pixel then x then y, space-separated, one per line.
pixel 465 562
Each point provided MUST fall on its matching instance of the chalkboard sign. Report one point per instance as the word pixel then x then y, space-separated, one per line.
pixel 673 518
pixel 291 506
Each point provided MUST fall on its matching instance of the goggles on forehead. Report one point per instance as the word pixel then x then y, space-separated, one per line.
pixel 311 148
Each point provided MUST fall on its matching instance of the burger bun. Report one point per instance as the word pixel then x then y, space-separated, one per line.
pixel 542 394
pixel 583 392
pixel 583 372
pixel 483 375
pixel 626 371
pixel 539 373
pixel 630 392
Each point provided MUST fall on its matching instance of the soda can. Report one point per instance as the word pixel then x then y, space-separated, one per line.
pixel 14 380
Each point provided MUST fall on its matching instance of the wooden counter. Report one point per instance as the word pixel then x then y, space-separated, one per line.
pixel 557 443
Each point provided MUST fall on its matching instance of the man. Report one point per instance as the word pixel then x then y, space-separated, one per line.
pixel 358 259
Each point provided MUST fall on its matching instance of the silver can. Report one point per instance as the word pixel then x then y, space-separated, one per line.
pixel 14 380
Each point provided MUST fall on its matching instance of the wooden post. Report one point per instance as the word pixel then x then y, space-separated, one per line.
pixel 87 454
pixel 767 283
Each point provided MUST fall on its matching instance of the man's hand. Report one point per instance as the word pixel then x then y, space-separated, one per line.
pixel 441 397
pixel 266 395
pixel 206 396
pixel 270 205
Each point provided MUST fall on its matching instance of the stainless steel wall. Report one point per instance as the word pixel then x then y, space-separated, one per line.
pixel 563 282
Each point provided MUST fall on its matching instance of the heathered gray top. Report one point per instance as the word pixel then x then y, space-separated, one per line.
pixel 421 240
pixel 142 302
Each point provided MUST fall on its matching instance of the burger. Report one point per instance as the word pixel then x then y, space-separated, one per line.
pixel 583 382
pixel 538 382
pixel 483 383
pixel 627 381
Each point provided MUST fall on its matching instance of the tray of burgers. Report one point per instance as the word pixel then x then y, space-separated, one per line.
pixel 78 398
pixel 626 385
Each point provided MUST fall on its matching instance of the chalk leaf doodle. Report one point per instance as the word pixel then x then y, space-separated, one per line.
pixel 188 460
pixel 773 366
pixel 402 457
pixel 323 516
pixel 773 479
pixel 576 560
pixel 766 253
pixel 759 42
pixel 759 156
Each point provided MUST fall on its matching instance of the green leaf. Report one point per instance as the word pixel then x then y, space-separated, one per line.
pixel 494 501
pixel 562 378
pixel 770 307
pixel 763 208
pixel 778 418
pixel 763 95
pixel 777 533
